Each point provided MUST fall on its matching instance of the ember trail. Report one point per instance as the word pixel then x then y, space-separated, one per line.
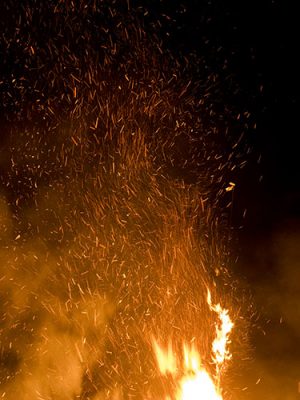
pixel 113 170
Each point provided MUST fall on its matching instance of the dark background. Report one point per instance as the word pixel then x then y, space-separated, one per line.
pixel 252 46
pixel 255 44
pixel 259 43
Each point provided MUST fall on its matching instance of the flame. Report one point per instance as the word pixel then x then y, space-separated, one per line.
pixel 219 347
pixel 193 381
pixel 166 358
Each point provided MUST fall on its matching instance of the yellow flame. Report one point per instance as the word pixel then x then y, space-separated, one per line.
pixel 219 347
pixel 196 383
pixel 166 358
pixel 199 386
pixel 193 381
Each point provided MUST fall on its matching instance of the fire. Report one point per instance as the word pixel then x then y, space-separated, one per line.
pixel 193 381
pixel 220 350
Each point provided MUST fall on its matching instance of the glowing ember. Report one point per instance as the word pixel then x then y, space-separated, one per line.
pixel 192 379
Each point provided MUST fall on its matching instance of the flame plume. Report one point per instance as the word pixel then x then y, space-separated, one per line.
pixel 195 381
pixel 220 350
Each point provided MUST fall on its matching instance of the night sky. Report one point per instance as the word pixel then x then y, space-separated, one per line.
pixel 258 41
pixel 251 48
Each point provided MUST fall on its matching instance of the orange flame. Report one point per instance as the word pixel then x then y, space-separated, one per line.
pixel 193 380
pixel 219 347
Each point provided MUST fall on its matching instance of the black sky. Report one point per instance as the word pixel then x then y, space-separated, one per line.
pixel 253 47
pixel 259 41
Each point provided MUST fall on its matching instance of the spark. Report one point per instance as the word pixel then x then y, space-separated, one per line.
pixel 111 173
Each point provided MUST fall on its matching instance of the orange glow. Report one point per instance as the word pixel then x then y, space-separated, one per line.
pixel 193 381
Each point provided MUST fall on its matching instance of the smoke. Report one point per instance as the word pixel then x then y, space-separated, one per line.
pixel 113 171
pixel 274 372
pixel 42 331
pixel 281 356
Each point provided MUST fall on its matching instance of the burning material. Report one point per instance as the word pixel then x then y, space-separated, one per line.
pixel 192 380
pixel 220 350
